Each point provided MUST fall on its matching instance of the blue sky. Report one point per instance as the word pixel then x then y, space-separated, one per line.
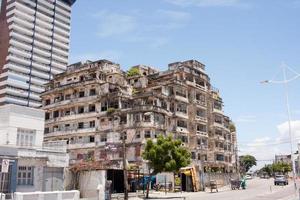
pixel 241 42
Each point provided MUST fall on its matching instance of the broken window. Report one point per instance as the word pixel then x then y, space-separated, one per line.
pixel 136 117
pixel 123 119
pixel 80 125
pixel 103 138
pixel 56 114
pixel 47 116
pixel 147 118
pixel 92 138
pixel 80 109
pixel 47 102
pixel 68 96
pixel 181 107
pixel 137 135
pixel 92 108
pixel 81 94
pixel 181 123
pixel 201 113
pixel 92 124
pixel 92 92
pixel 114 104
pixel 104 106
pixel 147 134
pixel 201 127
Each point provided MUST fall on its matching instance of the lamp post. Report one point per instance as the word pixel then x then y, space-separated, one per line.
pixel 285 82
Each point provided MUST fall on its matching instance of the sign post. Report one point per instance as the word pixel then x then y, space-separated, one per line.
pixel 4 170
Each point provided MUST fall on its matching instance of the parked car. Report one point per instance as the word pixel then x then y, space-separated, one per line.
pixel 247 177
pixel 281 180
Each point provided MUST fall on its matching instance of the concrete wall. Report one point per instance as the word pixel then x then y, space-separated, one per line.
pixel 89 181
pixel 13 117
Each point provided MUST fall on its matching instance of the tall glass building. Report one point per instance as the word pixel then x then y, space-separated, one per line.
pixel 34 46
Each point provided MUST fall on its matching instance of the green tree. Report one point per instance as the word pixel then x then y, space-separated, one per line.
pixel 133 72
pixel 165 155
pixel 246 162
pixel 281 167
pixel 268 169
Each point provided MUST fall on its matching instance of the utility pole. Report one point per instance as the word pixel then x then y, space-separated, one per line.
pixel 125 167
pixel 285 82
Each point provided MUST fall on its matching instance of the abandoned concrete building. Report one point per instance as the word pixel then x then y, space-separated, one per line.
pixel 93 104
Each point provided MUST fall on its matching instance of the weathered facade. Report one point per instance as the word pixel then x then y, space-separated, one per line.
pixel 93 104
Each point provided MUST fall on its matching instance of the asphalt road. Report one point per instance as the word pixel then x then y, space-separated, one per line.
pixel 257 189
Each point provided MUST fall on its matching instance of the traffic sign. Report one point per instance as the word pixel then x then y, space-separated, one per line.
pixel 5 166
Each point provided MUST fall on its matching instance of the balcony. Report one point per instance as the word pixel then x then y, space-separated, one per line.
pixel 62 18
pixel 56 71
pixel 17 83
pixel 67 7
pixel 202 133
pixel 61 38
pixel 48 11
pixel 24 15
pixel 21 29
pixel 42 45
pixel 182 98
pixel 21 21
pixel 61 59
pixel 41 52
pixel 46 4
pixel 182 130
pixel 18 59
pixel 43 31
pixel 21 45
pixel 60 44
pixel 41 67
pixel 82 145
pixel 201 119
pixel 23 8
pixel 20 37
pixel 218 125
pixel 218 111
pixel 181 114
pixel 40 59
pixel 18 68
pixel 43 37
pixel 58 65
pixel 66 13
pixel 61 31
pixel 16 92
pixel 48 25
pixel 59 51
pixel 39 74
pixel 44 17
pixel 70 132
pixel 19 52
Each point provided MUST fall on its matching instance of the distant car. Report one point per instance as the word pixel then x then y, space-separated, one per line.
pixel 247 177
pixel 281 180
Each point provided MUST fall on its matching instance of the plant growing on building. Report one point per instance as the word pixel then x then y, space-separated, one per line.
pixel 111 110
pixel 134 71
pixel 165 155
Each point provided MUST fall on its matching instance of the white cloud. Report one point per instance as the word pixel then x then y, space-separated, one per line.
pixel 205 3
pixel 112 24
pixel 246 118
pixel 134 26
pixel 284 131
pixel 265 148
pixel 108 54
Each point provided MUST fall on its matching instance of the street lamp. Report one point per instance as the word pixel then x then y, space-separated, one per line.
pixel 285 81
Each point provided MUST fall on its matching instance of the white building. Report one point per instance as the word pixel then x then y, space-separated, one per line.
pixel 34 165
pixel 34 46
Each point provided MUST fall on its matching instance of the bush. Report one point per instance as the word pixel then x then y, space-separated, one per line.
pixel 133 72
